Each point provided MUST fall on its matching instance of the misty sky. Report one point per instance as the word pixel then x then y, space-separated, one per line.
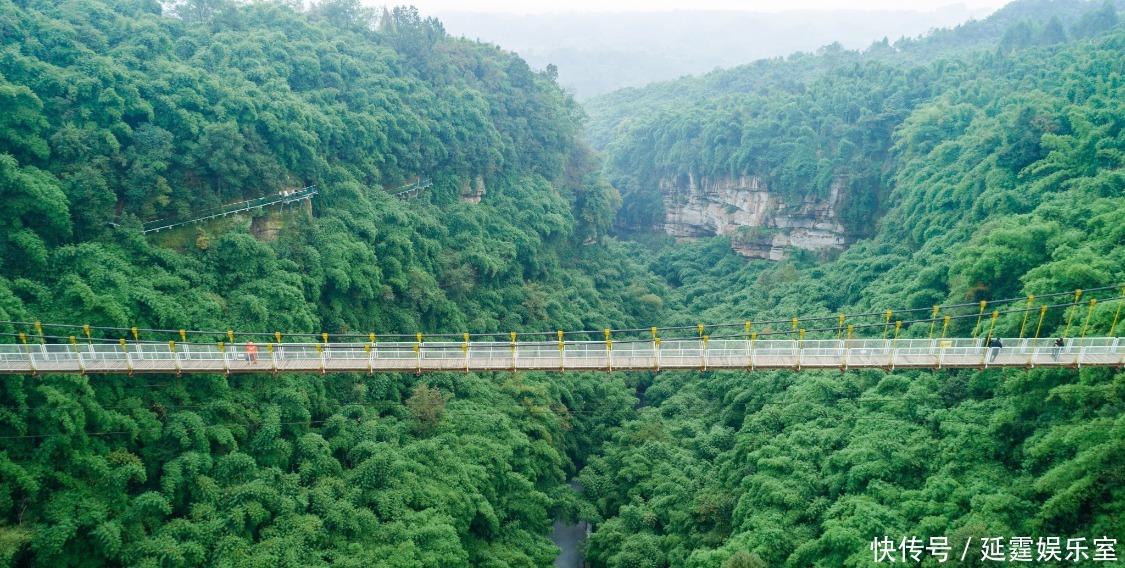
pixel 542 6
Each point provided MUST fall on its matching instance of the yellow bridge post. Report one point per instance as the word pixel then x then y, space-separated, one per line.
pixel 372 350
pixel 976 327
pixel 562 351
pixel 223 356
pixel 77 355
pixel 609 351
pixel 1038 328
pixel 753 339
pixel 1089 313
pixel 465 349
pixel 800 347
pixel 1113 326
pixel 175 357
pixel 894 344
pixel 1026 312
pixel 1077 295
pixel 27 351
pixel 988 338
pixel 749 345
pixel 128 360
pixel 992 326
pixel 703 354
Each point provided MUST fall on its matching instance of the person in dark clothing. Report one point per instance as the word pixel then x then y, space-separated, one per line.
pixel 994 347
pixel 1058 348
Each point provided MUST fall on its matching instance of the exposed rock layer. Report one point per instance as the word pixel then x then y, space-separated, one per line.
pixel 760 223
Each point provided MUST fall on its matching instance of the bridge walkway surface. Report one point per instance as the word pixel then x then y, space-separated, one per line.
pixel 418 357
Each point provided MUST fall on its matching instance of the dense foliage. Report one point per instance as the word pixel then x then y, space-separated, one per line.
pixel 1001 177
pixel 809 122
pixel 1022 23
pixel 976 174
pixel 121 111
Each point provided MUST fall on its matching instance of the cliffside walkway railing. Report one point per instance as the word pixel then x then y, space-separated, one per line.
pixel 282 198
pixel 410 190
pixel 417 357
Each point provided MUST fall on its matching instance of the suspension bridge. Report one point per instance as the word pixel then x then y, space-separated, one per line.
pixel 568 356
pixel 715 347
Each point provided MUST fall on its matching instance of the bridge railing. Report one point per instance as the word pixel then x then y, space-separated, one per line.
pixel 157 225
pixel 574 355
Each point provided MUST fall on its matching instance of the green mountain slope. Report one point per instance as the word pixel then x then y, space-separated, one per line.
pixel 1019 24
pixel 983 174
pixel 994 175
pixel 810 122
pixel 114 113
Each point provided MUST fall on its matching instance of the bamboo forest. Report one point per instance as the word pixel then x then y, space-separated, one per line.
pixel 234 180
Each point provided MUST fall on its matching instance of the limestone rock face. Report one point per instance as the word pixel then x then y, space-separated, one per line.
pixel 472 193
pixel 760 223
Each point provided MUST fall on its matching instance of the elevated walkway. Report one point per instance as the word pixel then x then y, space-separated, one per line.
pixel 282 199
pixel 411 190
pixel 419 357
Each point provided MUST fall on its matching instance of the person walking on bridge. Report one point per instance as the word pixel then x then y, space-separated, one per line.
pixel 994 347
pixel 252 352
pixel 1057 349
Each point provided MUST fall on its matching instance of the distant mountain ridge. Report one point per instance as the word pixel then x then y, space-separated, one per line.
pixel 820 129
pixel 598 53
pixel 606 112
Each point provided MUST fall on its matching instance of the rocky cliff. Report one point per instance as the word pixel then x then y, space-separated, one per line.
pixel 760 223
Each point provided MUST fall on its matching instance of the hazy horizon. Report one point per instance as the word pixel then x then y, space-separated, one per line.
pixel 435 7
pixel 598 52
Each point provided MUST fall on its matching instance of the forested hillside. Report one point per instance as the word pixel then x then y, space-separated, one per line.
pixel 805 123
pixel 117 112
pixel 995 174
pixel 982 163
pixel 1019 24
